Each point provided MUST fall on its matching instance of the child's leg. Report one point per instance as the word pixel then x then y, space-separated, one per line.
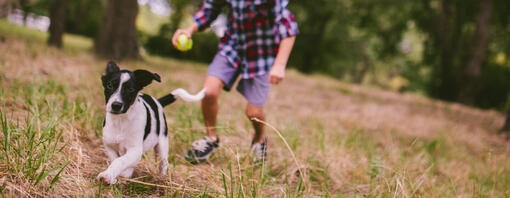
pixel 204 147
pixel 259 141
pixel 220 72
pixel 256 112
pixel 255 91
pixel 210 104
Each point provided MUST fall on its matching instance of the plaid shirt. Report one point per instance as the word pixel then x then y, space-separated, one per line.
pixel 254 31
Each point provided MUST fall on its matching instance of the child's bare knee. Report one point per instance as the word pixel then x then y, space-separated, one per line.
pixel 254 112
pixel 211 94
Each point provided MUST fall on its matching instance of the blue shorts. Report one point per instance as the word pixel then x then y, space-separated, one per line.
pixel 255 90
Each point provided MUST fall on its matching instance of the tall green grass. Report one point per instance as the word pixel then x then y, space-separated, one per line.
pixel 32 139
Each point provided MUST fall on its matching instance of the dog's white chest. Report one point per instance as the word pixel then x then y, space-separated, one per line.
pixel 110 137
pixel 116 140
pixel 121 131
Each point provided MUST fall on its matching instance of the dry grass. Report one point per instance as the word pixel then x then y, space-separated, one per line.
pixel 348 141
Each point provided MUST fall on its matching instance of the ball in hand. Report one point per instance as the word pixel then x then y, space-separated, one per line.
pixel 184 43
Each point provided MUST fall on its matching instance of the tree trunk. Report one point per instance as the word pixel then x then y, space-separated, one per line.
pixel 478 54
pixel 58 14
pixel 117 38
pixel 359 75
pixel 506 126
pixel 443 88
pixel 6 6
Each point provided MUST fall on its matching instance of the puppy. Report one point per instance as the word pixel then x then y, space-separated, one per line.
pixel 134 121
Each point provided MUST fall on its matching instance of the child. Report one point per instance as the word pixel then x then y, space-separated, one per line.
pixel 256 45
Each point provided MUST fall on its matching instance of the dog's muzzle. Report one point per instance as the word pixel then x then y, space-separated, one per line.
pixel 117 107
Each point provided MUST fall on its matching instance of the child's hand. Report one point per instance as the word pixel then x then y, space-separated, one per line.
pixel 276 74
pixel 188 32
pixel 176 36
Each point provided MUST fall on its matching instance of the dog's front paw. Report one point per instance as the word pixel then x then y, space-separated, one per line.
pixel 106 177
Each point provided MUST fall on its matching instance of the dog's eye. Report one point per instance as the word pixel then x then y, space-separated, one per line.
pixel 131 89
pixel 109 85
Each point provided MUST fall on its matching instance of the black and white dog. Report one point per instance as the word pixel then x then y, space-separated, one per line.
pixel 134 121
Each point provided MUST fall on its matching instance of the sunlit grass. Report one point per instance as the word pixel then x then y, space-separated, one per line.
pixel 72 43
pixel 20 32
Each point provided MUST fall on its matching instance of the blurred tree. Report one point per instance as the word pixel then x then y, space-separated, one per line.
pixel 84 17
pixel 6 6
pixel 348 38
pixel 58 13
pixel 506 126
pixel 176 17
pixel 380 28
pixel 343 38
pixel 27 6
pixel 449 25
pixel 461 36
pixel 38 7
pixel 178 7
pixel 78 16
pixel 478 52
pixel 311 48
pixel 117 38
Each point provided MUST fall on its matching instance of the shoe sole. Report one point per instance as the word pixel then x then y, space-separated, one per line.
pixel 195 160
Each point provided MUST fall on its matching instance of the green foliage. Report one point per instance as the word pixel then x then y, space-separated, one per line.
pixel 149 22
pixel 345 38
pixel 39 7
pixel 354 40
pixel 451 35
pixel 84 17
pixel 178 7
pixel 494 87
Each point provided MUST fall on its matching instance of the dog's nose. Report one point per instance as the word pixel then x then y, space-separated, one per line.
pixel 116 106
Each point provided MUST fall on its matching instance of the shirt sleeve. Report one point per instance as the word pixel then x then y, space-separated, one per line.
pixel 285 22
pixel 208 13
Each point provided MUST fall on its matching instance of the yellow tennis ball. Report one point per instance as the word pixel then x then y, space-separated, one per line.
pixel 184 43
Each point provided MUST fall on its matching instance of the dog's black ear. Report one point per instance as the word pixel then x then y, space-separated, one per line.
pixel 112 67
pixel 144 77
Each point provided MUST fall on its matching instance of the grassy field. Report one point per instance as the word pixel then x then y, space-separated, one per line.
pixel 337 139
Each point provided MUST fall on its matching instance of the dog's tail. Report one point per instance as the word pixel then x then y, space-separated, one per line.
pixel 181 93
